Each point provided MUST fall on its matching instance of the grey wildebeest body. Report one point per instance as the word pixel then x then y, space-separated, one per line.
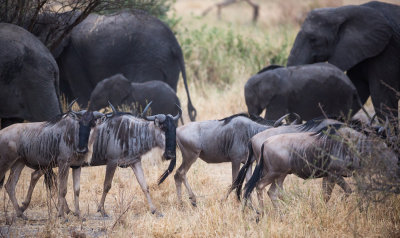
pixel 120 91
pixel 334 152
pixel 304 90
pixel 257 140
pixel 214 141
pixel 61 142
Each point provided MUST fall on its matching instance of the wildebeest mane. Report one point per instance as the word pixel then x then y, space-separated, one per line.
pixel 55 119
pixel 328 130
pixel 315 122
pixel 226 120
pixel 270 67
pixel 261 120
pixel 252 117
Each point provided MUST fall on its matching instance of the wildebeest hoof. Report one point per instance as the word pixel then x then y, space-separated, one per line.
pixel 24 206
pixel 77 214
pixel 194 204
pixel 158 214
pixel 22 216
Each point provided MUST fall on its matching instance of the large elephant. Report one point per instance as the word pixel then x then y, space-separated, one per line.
pixel 305 90
pixel 363 40
pixel 28 77
pixel 120 91
pixel 132 43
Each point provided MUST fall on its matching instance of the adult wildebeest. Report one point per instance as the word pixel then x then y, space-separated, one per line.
pixel 333 152
pixel 120 139
pixel 61 142
pixel 226 3
pixel 215 141
pixel 257 140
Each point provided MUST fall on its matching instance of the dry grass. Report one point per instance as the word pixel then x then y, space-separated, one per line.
pixel 303 212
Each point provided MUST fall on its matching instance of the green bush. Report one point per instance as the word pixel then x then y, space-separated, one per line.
pixel 217 54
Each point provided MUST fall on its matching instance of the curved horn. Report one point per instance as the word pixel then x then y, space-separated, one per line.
pixel 112 108
pixel 179 113
pixel 372 120
pixel 279 121
pixel 150 118
pixel 145 109
pixel 71 104
pixel 97 114
pixel 297 120
pixel 81 112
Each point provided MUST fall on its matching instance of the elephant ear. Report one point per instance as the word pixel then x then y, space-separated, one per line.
pixel 120 89
pixel 363 34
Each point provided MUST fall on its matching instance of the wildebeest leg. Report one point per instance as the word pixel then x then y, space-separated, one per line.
pixel 76 178
pixel 328 183
pixel 344 185
pixel 265 181
pixel 62 188
pixel 187 160
pixel 16 170
pixel 224 4
pixel 110 170
pixel 137 169
pixel 35 176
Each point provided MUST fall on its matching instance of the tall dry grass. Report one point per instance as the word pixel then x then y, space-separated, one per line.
pixel 220 56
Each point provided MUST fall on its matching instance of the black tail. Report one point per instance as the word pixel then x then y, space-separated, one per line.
pixel 167 172
pixel 238 183
pixel 50 178
pixel 2 182
pixel 251 184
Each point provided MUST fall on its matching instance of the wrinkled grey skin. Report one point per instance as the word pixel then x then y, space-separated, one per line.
pixel 137 45
pixel 300 89
pixel 28 77
pixel 363 40
pixel 119 91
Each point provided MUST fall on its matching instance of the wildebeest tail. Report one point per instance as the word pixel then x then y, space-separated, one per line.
pixel 251 184
pixel 50 178
pixel 167 172
pixel 238 183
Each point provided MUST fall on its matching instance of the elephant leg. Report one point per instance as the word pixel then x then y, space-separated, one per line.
pixel 110 171
pixel 5 122
pixel 361 83
pixel 12 181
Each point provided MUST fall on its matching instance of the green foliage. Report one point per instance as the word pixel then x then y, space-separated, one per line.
pixel 217 55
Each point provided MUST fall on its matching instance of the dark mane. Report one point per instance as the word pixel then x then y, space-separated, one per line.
pixel 55 119
pixel 327 130
pixel 262 120
pixel 270 67
pixel 310 124
pixel 226 120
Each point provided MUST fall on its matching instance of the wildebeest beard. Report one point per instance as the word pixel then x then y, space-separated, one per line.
pixel 87 121
pixel 170 138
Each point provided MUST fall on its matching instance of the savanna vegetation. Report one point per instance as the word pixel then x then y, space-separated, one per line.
pixel 220 56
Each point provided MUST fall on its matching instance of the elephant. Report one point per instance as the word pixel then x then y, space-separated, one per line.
pixel 308 90
pixel 364 41
pixel 29 78
pixel 119 91
pixel 132 43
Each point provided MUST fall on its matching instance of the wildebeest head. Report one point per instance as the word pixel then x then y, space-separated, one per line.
pixel 86 121
pixel 167 124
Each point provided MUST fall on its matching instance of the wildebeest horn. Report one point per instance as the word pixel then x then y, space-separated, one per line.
pixel 97 114
pixel 279 121
pixel 145 109
pixel 179 113
pixel 112 108
pixel 297 120
pixel 71 104
pixel 372 120
pixel 81 112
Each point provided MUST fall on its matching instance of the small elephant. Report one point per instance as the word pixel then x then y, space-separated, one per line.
pixel 304 90
pixel 28 78
pixel 120 91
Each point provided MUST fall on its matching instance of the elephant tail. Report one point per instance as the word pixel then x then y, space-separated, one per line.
pixel 358 100
pixel 192 111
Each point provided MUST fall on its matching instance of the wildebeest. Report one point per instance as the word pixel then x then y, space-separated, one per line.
pixel 215 141
pixel 333 152
pixel 120 139
pixel 61 142
pixel 257 140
